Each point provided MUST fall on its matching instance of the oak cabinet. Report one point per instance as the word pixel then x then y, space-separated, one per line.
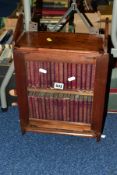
pixel 61 81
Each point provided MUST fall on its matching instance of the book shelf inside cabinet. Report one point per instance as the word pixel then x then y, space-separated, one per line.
pixel 61 83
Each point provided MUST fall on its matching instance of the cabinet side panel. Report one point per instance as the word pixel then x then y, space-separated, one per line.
pixel 21 88
pixel 100 85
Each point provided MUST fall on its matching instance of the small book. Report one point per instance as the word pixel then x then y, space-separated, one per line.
pixel 65 75
pixel 52 74
pixel 60 107
pixel 39 106
pixel 69 74
pixel 88 77
pixel 76 108
pixel 73 82
pixel 71 109
pixel 55 106
pixel 93 76
pixel 79 76
pixel 84 76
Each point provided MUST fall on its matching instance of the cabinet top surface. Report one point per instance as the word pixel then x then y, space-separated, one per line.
pixel 60 40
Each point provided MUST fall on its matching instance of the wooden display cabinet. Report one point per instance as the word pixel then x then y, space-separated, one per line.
pixel 61 81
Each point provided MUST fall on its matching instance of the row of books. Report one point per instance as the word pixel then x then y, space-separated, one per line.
pixel 48 7
pixel 59 106
pixel 72 76
pixel 47 13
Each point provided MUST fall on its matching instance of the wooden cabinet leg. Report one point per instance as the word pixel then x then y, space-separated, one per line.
pixel 98 137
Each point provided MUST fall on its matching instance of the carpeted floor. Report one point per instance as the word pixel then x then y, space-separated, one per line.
pixel 44 154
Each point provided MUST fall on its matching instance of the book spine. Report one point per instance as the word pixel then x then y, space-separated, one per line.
pixel 56 72
pixel 61 72
pixel 51 102
pixel 40 106
pixel 36 105
pixel 45 75
pixel 37 74
pixel 60 107
pixel 48 75
pixel 79 76
pixel 31 73
pixel 30 105
pixel 41 75
pixel 73 76
pixel 68 107
pixel 88 77
pixel 71 108
pixel 80 109
pixel 91 105
pixel 83 76
pixel 55 107
pixel 33 105
pixel 64 107
pixel 65 75
pixel 54 12
pixel 47 106
pixel 52 74
pixel 43 105
pixel 93 76
pixel 89 109
pixel 69 72
pixel 85 109
pixel 76 108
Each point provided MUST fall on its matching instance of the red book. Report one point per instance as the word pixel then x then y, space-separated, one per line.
pixel 65 107
pixel 71 111
pixel 89 109
pixel 85 109
pixel 52 74
pixel 36 105
pixel 33 105
pixel 56 106
pixel 42 96
pixel 83 76
pixel 48 75
pixel 51 102
pixel 68 107
pixel 56 72
pixel 80 109
pixel 41 75
pixel 91 105
pixel 93 76
pixel 79 76
pixel 60 72
pixel 47 106
pixel 88 77
pixel 65 76
pixel 73 76
pixel 51 12
pixel 60 107
pixel 40 106
pixel 30 104
pixel 69 74
pixel 36 74
pixel 45 75
pixel 76 108
pixel 33 74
